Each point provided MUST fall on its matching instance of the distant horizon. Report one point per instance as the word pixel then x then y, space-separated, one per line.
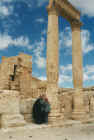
pixel 23 28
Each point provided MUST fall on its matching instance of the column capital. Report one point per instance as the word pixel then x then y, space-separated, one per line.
pixel 52 10
pixel 75 24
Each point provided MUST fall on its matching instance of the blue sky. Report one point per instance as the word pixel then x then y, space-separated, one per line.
pixel 23 28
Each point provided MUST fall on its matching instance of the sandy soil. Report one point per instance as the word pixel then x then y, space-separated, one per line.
pixel 34 132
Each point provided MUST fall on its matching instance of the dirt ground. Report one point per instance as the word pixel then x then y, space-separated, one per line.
pixel 42 132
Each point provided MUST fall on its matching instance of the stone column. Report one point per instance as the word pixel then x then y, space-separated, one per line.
pixel 52 62
pixel 77 55
pixel 79 112
pixel 52 46
pixel 92 106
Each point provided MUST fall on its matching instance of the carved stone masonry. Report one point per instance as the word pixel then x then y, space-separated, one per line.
pixel 76 55
pixel 62 8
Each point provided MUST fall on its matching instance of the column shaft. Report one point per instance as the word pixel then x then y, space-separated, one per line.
pixel 52 64
pixel 77 56
pixel 52 47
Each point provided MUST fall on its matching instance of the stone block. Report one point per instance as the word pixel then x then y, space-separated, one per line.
pixel 28 118
pixel 79 115
pixel 9 102
pixel 12 120
pixel 26 106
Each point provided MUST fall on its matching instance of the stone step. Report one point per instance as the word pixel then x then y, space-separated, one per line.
pixel 12 120
pixel 89 120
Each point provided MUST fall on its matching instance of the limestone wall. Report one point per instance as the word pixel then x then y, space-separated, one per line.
pixel 66 104
pixel 9 102
pixel 23 63
pixel 77 103
pixel 26 106
pixel 23 81
pixel 9 109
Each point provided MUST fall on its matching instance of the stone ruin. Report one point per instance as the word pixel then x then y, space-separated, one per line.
pixel 19 90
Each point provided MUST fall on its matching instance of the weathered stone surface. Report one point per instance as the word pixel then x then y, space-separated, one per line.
pixel 9 102
pixel 77 56
pixel 16 74
pixel 52 94
pixel 28 117
pixel 12 120
pixel 67 10
pixel 67 106
pixel 9 109
pixel 52 47
pixel 52 63
pixel 92 105
pixel 26 106
pixel 79 111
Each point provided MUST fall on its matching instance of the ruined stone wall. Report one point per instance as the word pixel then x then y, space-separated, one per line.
pixel 72 103
pixel 23 80
pixel 5 71
pixel 25 83
pixel 77 103
pixel 23 72
pixel 9 109
pixel 89 100
pixel 66 103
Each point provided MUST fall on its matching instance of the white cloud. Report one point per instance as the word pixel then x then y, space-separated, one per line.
pixel 85 76
pixel 65 79
pixel 89 73
pixel 89 69
pixel 67 68
pixel 85 6
pixel 40 62
pixel 6 41
pixel 42 78
pixel 39 47
pixel 40 20
pixel 65 41
pixel 5 10
pixel 87 45
pixel 21 41
pixel 65 76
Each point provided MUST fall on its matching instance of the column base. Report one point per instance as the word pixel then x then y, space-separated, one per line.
pixel 68 116
pixel 91 114
pixel 28 118
pixel 79 115
pixel 12 120
pixel 54 117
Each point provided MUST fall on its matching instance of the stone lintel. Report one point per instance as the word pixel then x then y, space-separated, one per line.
pixel 64 8
pixel 67 10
